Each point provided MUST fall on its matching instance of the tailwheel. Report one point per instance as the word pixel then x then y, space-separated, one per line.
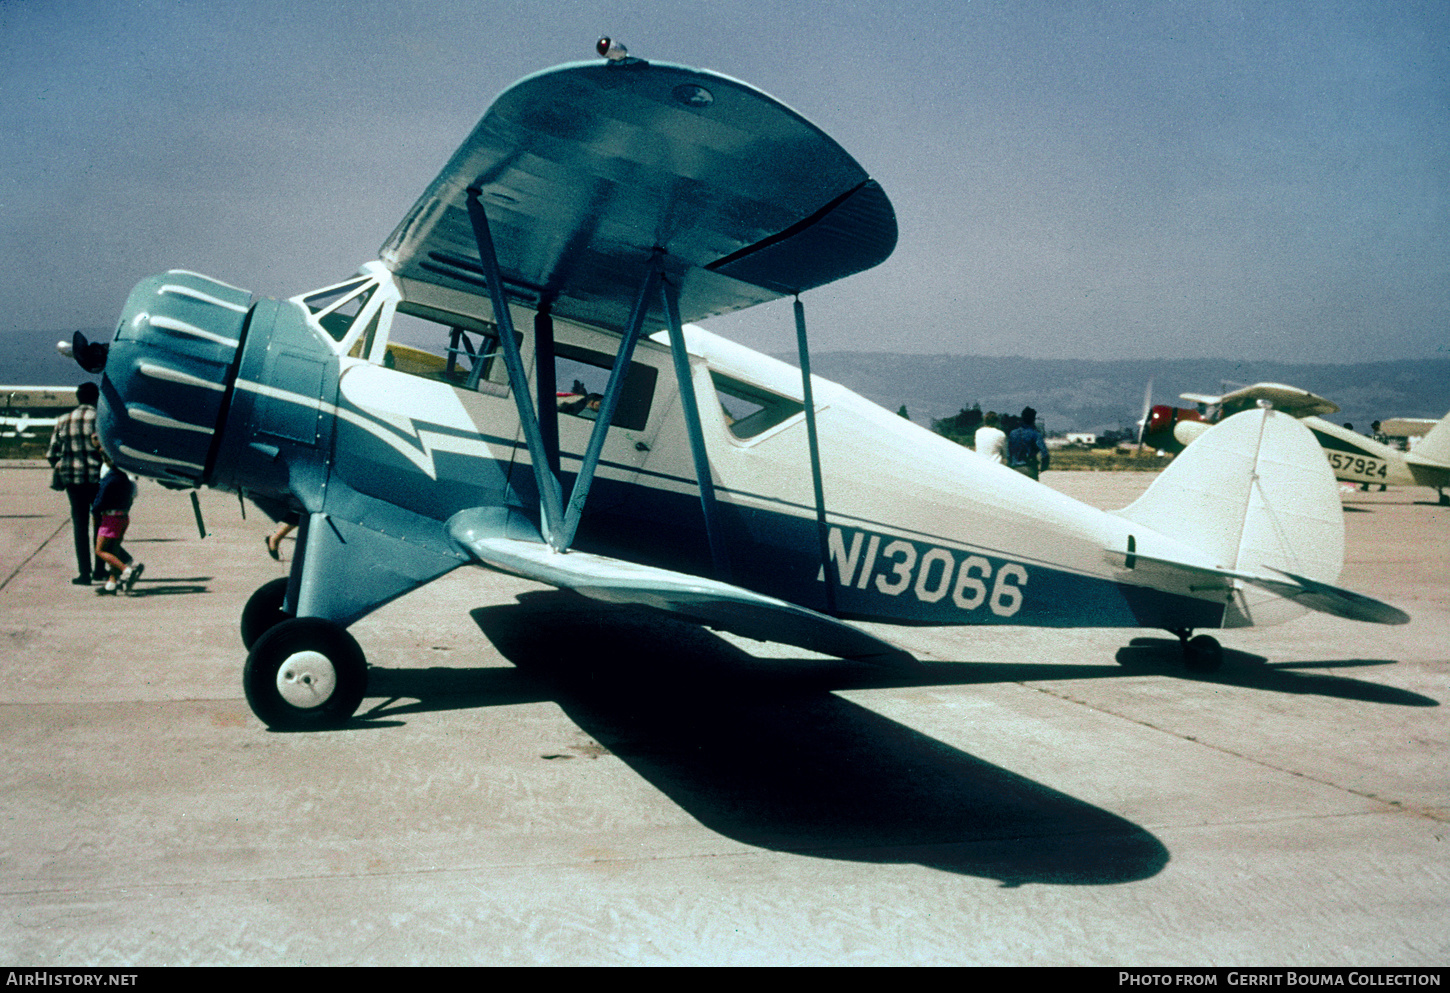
pixel 305 673
pixel 264 611
pixel 1202 654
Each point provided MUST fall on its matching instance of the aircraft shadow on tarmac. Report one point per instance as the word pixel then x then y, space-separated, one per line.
pixel 1164 656
pixel 761 751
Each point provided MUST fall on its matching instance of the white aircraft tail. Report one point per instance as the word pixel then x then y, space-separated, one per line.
pixel 1434 448
pixel 1256 495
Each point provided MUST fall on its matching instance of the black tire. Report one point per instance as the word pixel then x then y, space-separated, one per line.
pixel 305 674
pixel 1202 654
pixel 264 611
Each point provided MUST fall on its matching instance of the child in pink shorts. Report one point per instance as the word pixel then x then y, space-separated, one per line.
pixel 112 507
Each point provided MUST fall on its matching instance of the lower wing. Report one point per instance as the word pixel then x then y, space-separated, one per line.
pixel 707 601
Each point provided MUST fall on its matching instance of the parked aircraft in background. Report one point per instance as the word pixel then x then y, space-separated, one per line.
pixel 30 412
pixel 1355 458
pixel 1429 461
pixel 1170 429
pixel 1404 433
pixel 513 385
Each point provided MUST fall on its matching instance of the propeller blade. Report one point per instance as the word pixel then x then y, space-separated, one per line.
pixel 90 357
pixel 1147 410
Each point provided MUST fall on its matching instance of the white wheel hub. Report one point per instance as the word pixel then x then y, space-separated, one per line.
pixel 306 680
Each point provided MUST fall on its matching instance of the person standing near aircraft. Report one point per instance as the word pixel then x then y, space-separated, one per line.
pixel 75 456
pixel 991 441
pixel 274 540
pixel 1377 435
pixel 112 507
pixel 1026 448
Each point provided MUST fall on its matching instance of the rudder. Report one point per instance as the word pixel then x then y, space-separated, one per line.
pixel 1253 492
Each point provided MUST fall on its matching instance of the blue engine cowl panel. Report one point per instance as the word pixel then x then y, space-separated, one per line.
pixel 168 374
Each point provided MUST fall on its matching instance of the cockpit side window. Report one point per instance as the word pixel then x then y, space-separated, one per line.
pixel 581 376
pixel 750 410
pixel 452 348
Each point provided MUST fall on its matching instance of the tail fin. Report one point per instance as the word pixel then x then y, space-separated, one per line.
pixel 1434 448
pixel 1257 495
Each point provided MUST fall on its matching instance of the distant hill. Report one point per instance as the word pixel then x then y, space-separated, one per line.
pixel 1069 394
pixel 1080 395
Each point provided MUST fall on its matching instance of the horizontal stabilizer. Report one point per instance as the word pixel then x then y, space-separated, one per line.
pixel 1306 592
pixel 707 601
pixel 1332 599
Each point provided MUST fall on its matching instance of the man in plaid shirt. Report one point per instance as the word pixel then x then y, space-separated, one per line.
pixel 76 457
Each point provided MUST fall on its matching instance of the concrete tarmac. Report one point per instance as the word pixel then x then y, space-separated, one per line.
pixel 540 780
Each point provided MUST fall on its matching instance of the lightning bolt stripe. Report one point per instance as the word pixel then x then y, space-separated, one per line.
pixel 418 449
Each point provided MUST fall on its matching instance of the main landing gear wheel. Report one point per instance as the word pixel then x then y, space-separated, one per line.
pixel 305 674
pixel 1202 654
pixel 264 611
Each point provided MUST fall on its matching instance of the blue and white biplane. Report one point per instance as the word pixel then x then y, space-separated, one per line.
pixel 515 384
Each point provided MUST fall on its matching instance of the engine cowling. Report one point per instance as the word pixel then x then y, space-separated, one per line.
pixel 169 373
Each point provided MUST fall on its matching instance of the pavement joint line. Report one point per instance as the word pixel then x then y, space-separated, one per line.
pixel 747 850
pixel 1397 805
pixel 38 548
pixel 184 884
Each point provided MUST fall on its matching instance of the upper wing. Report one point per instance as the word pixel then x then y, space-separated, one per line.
pixel 586 170
pixel 1288 399
pixel 720 605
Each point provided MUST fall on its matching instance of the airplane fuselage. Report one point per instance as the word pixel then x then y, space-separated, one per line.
pixel 1356 458
pixel 335 414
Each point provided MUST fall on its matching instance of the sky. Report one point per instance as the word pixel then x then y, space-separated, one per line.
pixel 1097 180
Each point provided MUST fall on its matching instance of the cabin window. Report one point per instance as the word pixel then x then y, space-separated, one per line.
pixel 581 376
pixel 750 410
pixel 363 346
pixel 336 307
pixel 447 347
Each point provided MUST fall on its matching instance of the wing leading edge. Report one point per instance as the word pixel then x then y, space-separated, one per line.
pixel 1287 399
pixel 590 170
pixel 706 601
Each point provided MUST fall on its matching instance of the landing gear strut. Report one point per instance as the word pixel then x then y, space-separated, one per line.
pixel 1201 653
